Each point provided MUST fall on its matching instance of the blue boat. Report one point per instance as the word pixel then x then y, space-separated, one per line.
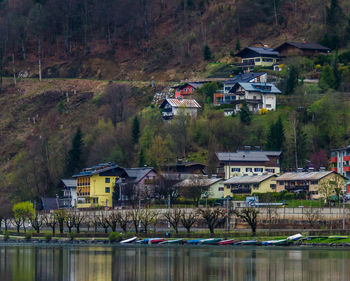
pixel 195 241
pixel 246 243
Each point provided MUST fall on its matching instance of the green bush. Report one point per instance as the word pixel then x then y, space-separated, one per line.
pixel 28 236
pixel 48 237
pixel 6 236
pixel 114 237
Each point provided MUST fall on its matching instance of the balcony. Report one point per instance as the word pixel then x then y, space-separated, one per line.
pixel 297 187
pixel 167 114
pixel 241 190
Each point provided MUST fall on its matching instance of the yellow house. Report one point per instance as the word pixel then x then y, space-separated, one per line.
pixel 311 183
pixel 248 185
pixel 95 185
pixel 257 56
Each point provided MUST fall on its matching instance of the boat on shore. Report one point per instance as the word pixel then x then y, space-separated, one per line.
pixel 174 241
pixel 193 242
pixel 295 237
pixel 155 240
pixel 227 242
pixel 210 241
pixel 247 243
pixel 276 242
pixel 128 241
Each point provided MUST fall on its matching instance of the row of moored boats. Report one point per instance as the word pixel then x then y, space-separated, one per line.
pixel 213 241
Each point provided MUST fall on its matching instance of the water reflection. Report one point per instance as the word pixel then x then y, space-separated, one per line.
pixel 18 263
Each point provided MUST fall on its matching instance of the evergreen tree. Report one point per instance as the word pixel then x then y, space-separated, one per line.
pixel 207 53
pixel 142 160
pixel 74 163
pixel 327 78
pixel 244 114
pixel 301 145
pixel 238 45
pixel 292 80
pixel 135 130
pixel 275 138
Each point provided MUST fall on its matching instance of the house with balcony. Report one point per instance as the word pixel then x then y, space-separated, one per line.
pixel 69 192
pixel 172 107
pixel 256 95
pixel 95 185
pixel 248 162
pixel 307 182
pixel 289 49
pixel 187 90
pixel 248 185
pixel 340 163
pixel 257 56
pixel 143 179
pixel 214 186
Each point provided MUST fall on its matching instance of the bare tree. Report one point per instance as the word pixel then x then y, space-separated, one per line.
pixel 147 217
pixel 78 219
pixel 103 221
pixel 194 188
pixel 174 217
pixel 36 221
pixel 112 220
pixel 312 215
pixel 69 221
pixel 188 219
pixel 213 217
pixel 51 221
pixel 116 99
pixel 123 220
pixel 135 219
pixel 250 216
pixel 60 216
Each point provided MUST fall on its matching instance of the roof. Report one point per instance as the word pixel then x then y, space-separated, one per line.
pixel 190 103
pixel 197 181
pixel 260 87
pixel 69 182
pixel 305 46
pixel 247 156
pixel 99 168
pixel 49 203
pixel 260 51
pixel 248 179
pixel 184 164
pixel 138 173
pixel 294 176
pixel 192 84
pixel 244 77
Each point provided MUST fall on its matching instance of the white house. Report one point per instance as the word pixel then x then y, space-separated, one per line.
pixel 173 107
pixel 250 77
pixel 256 95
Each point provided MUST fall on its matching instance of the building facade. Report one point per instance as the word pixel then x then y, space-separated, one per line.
pixel 173 107
pixel 255 56
pixel 301 49
pixel 340 163
pixel 214 186
pixel 248 185
pixel 95 185
pixel 187 90
pixel 308 182
pixel 248 163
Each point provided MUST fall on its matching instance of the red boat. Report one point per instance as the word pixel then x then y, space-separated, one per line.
pixel 227 242
pixel 155 240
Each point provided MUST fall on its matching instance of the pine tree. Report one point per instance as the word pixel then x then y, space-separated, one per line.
pixel 292 79
pixel 142 160
pixel 275 137
pixel 301 144
pixel 74 162
pixel 135 130
pixel 245 114
pixel 207 53
pixel 238 45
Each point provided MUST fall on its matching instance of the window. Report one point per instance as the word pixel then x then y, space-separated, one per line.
pixel 107 190
pixel 257 60
pixel 314 182
pixel 221 189
pixel 255 185
pixel 107 180
pixel 248 170
pixel 273 186
pixel 95 200
pixel 281 182
pixel 258 170
pixel 268 105
pixel 270 170
pixel 235 170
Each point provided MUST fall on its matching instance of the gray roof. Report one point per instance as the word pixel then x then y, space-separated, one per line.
pixel 260 87
pixel 198 181
pixel 244 77
pixel 138 173
pixel 305 46
pixel 248 179
pixel 247 156
pixel 99 168
pixel 294 176
pixel 264 51
pixel 49 203
pixel 188 103
pixel 69 182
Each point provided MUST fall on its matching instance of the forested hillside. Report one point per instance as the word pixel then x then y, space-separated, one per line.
pixel 153 39
pixel 52 128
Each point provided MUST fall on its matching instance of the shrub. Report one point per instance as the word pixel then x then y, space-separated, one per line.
pixel 28 236
pixel 48 237
pixel 114 237
pixel 6 236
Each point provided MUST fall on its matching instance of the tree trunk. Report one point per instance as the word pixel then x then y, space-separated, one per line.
pixel 78 228
pixel 211 231
pixel 61 228
pixel 18 227
pixel 14 69
pixel 53 230
pixel 39 58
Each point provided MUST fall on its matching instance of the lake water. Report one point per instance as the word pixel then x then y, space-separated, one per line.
pixel 183 263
